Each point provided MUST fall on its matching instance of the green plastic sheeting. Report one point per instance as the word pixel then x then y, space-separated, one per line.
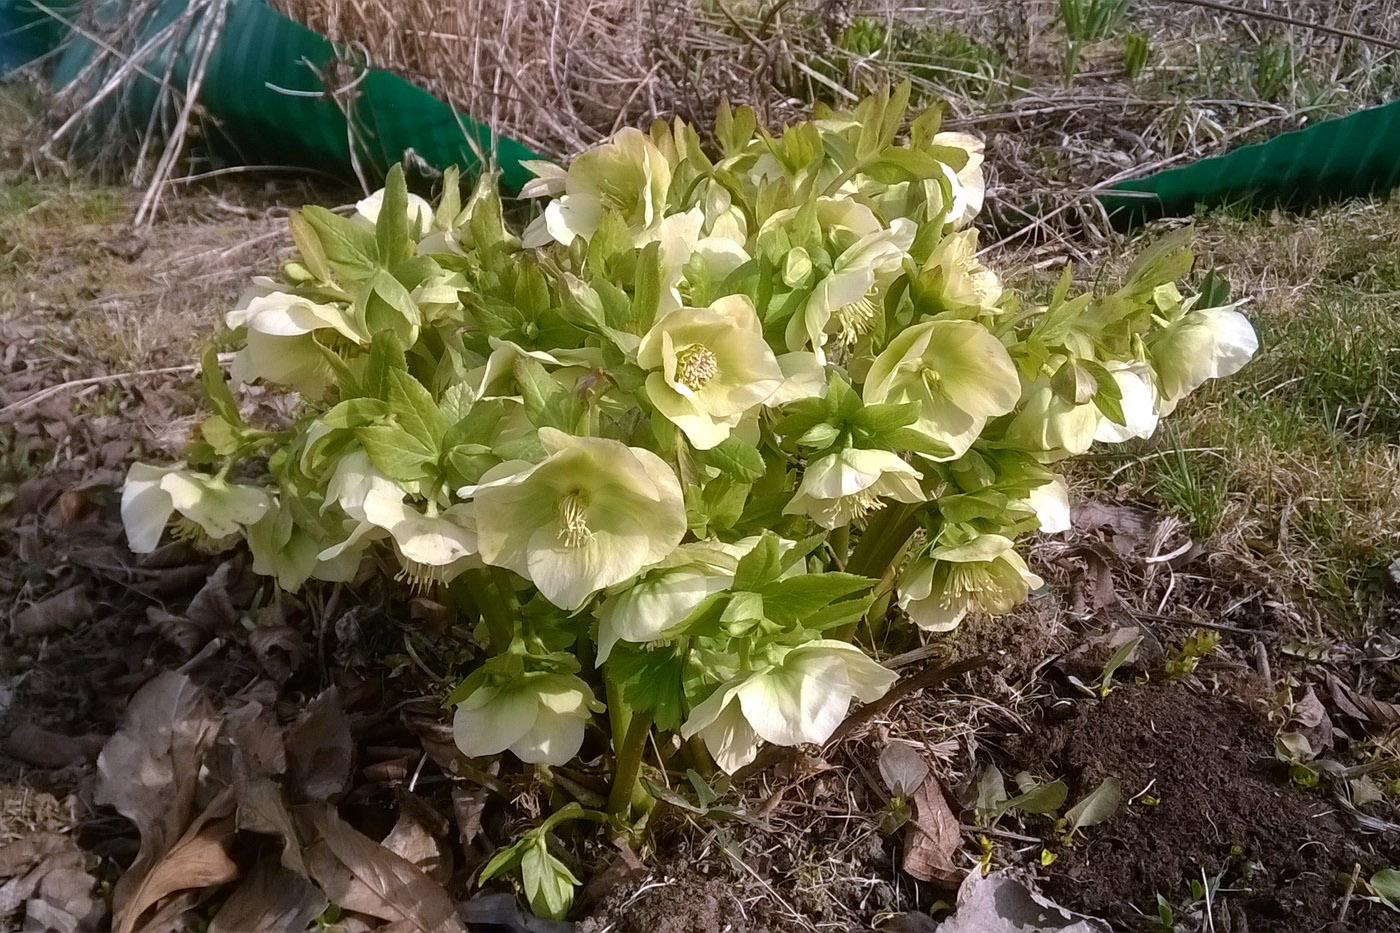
pixel 1358 154
pixel 263 89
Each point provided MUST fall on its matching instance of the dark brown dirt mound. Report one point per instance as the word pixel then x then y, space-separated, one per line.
pixel 683 903
pixel 1225 809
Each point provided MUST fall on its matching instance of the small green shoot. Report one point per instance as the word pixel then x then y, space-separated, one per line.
pixel 1120 657
pixel 1184 660
pixel 1386 885
pixel 1097 806
pixel 1135 50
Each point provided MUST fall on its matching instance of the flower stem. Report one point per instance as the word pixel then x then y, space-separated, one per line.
pixel 884 537
pixel 629 764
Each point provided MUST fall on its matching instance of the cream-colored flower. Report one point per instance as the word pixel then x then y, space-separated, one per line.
pixel 540 717
pixel 969 185
pixel 1050 502
pixel 290 552
pixel 1139 401
pixel 709 366
pixel 591 514
pixel 846 485
pixel 1205 344
pixel 280 347
pixel 420 212
pixel 958 374
pixel 965 282
pixel 627 176
pixel 1051 427
pixel 986 574
pixel 802 698
pixel 152 494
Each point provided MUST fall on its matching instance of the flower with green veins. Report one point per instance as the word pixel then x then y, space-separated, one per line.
pixel 289 550
pixel 434 544
pixel 963 281
pixel 210 504
pixel 1051 427
pixel 538 716
pixel 420 212
pixel 627 176
pixel 958 374
pixel 709 366
pixel 1138 388
pixel 590 515
pixel 1202 345
pixel 801 698
pixel 939 588
pixel 969 184
pixel 849 483
pixel 280 347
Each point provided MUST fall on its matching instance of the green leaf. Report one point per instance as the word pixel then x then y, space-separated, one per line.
pixel 1043 799
pixel 1100 804
pixel 990 795
pixel 650 680
pixel 646 290
pixel 1215 290
pixel 549 885
pixel 216 389
pixel 385 356
pixel 1386 884
pixel 795 598
pixel 355 413
pixel 389 306
pixel 396 453
pixel 349 248
pixel 736 458
pixel 308 244
pixel 412 407
pixel 547 403
pixel 760 565
pixel 391 233
pixel 506 859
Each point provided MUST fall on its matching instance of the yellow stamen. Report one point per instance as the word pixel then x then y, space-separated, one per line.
pixel 695 366
pixel 573 520
pixel 855 319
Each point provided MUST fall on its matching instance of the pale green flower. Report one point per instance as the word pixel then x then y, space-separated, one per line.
pixel 800 699
pixel 290 551
pixel 540 717
pixel 217 507
pixel 958 374
pixel 1205 344
pixel 986 574
pixel 434 544
pixel 420 212
pixel 965 282
pixel 1050 502
pixel 682 242
pixel 969 185
pixel 1051 427
pixel 591 514
pixel 1139 401
pixel 280 347
pixel 709 366
pixel 627 176
pixel 846 485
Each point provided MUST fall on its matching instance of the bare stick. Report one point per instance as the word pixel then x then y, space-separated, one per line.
pixel 1291 21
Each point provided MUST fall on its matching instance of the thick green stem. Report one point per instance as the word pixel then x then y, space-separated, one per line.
pixel 884 537
pixel 629 764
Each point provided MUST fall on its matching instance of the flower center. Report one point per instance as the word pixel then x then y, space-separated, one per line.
pixel 855 319
pixel 192 533
pixel 932 379
pixel 861 503
pixel 695 366
pixel 421 578
pixel 573 520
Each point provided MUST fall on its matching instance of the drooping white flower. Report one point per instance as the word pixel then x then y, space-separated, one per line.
pixel 151 494
pixel 540 717
pixel 845 485
pixel 709 366
pixel 964 282
pixel 1051 427
pixel 969 185
pixel 591 514
pixel 985 574
pixel 420 212
pixel 290 552
pixel 1050 502
pixel 1139 401
pixel 802 698
pixel 280 348
pixel 956 371
pixel 627 175
pixel 1204 344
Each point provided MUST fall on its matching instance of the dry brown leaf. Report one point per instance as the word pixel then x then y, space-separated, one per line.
pixel 319 749
pixel 360 875
pixel 48 875
pixel 1311 719
pixel 467 807
pixel 44 749
pixel 198 860
pixel 253 730
pixel 150 769
pixel 1375 715
pixel 932 836
pixel 57 612
pixel 412 841
pixel 270 898
pixel 263 809
pixel 279 650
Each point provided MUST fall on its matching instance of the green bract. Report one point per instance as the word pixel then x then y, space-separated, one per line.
pixel 671 445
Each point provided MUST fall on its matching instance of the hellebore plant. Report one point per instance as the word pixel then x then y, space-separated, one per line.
pixel 714 412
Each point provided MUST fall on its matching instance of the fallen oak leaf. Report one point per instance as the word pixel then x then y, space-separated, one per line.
pixel 270 898
pixel 319 749
pixel 360 875
pixel 932 836
pixel 198 860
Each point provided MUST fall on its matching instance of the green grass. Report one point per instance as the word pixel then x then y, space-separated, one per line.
pixel 1292 463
